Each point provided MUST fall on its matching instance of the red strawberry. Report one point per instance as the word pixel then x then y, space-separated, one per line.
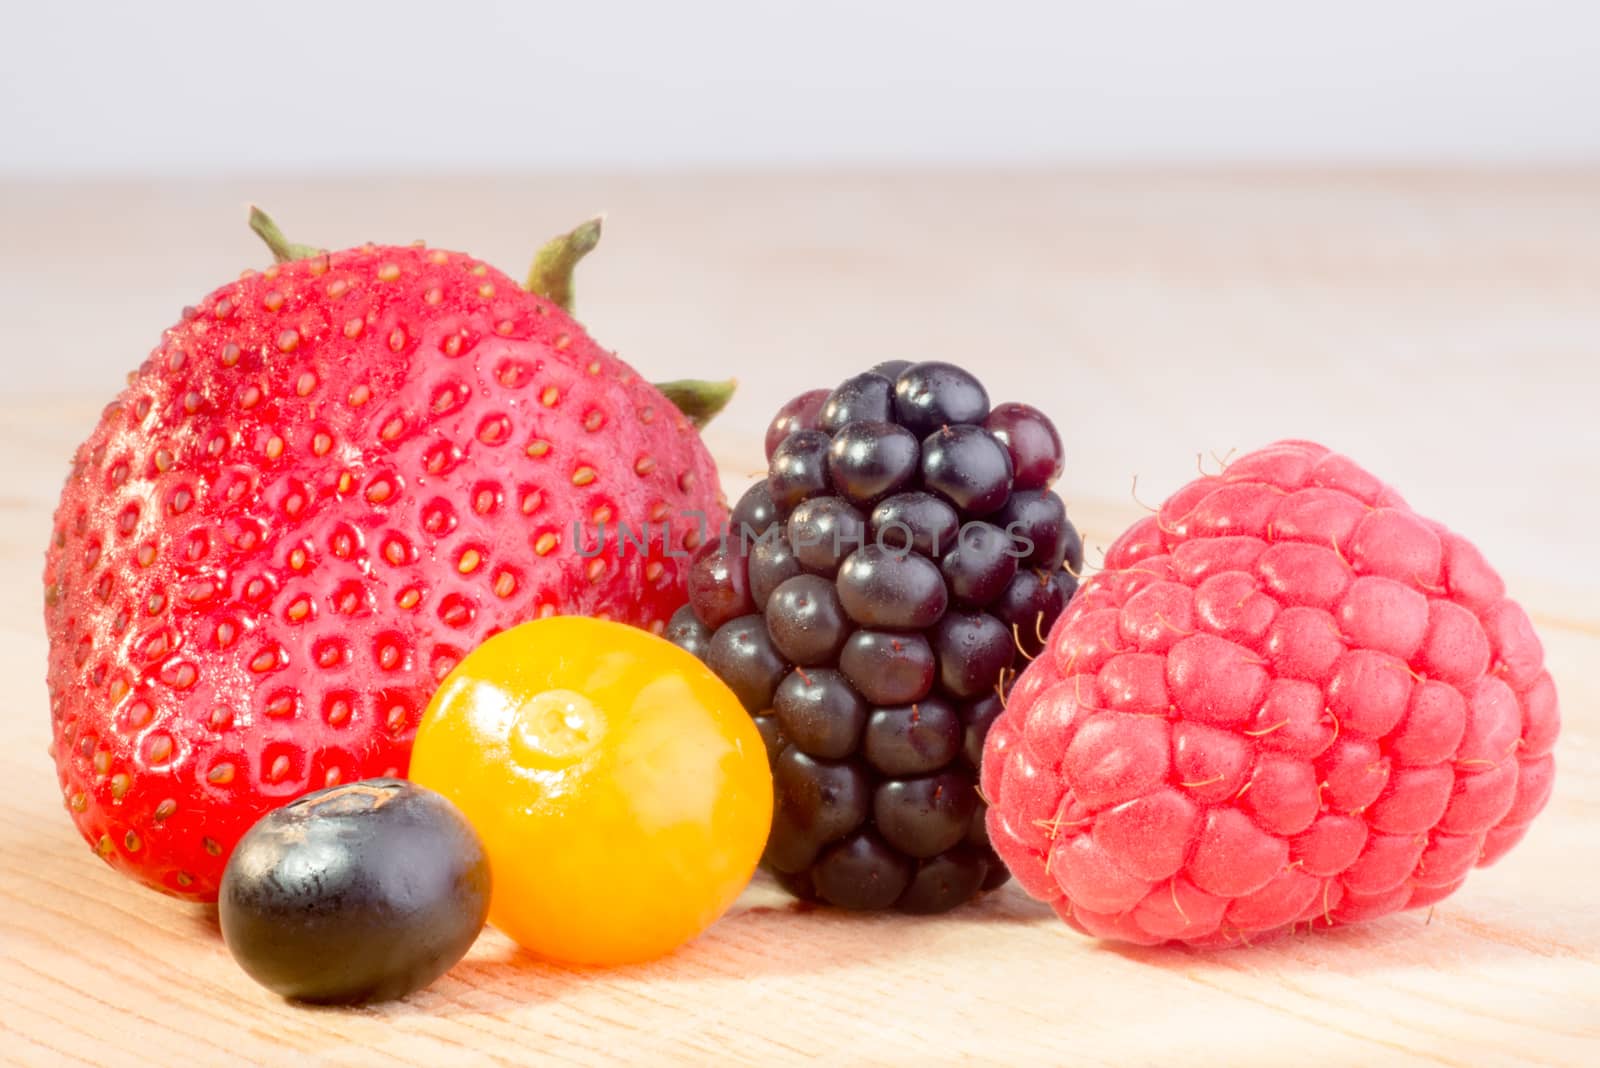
pixel 1287 699
pixel 330 481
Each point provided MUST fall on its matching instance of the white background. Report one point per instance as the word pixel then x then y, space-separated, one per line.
pixel 295 86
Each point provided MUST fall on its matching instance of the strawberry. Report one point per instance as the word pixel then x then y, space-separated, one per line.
pixel 330 481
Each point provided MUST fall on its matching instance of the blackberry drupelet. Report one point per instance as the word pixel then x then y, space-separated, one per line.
pixel 903 556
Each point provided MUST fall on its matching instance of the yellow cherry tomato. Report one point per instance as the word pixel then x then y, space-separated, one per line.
pixel 620 789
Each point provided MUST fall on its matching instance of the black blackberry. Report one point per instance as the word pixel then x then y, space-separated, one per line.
pixel 902 556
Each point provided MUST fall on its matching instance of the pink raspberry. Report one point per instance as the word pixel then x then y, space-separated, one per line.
pixel 1287 699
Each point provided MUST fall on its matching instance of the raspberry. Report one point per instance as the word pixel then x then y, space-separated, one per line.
pixel 1287 699
pixel 900 567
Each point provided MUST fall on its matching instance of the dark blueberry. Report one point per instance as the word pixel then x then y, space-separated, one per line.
pixel 799 469
pixel 360 892
pixel 772 561
pixel 968 467
pixel 870 460
pixel 982 563
pixel 771 734
pixel 861 397
pixel 1037 523
pixel 823 531
pixel 718 583
pixel 743 656
pixel 912 739
pixel 945 881
pixel 753 515
pixel 805 620
pixel 915 520
pixel 798 414
pixel 897 591
pixel 686 631
pixel 890 369
pixel 820 713
pixel 861 873
pixel 1029 607
pixel 977 717
pixel 931 395
pixel 1031 438
pixel 923 817
pixel 822 799
pixel 888 669
pixel 973 649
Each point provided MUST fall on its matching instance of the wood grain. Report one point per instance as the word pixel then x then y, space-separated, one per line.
pixel 1443 327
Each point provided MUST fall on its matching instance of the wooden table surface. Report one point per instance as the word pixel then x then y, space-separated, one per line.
pixel 1443 328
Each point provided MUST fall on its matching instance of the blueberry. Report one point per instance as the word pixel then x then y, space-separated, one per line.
pixel 823 799
pixel 361 892
pixel 968 467
pixel 861 873
pixel 772 561
pixel 820 713
pixel 888 669
pixel 931 395
pixel 1037 520
pixel 923 817
pixel 913 739
pixel 945 881
pixel 823 531
pixel 797 414
pixel 718 583
pixel 860 397
pixel 686 631
pixel 1029 606
pixel 1031 438
pixel 805 620
pixel 870 460
pixel 743 656
pixel 917 521
pixel 977 717
pixel 896 591
pixel 754 514
pixel 981 565
pixel 973 648
pixel 799 469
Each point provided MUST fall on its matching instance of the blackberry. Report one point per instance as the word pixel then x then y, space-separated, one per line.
pixel 902 557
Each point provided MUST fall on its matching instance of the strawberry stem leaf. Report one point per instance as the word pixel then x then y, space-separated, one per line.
pixel 698 399
pixel 283 250
pixel 551 275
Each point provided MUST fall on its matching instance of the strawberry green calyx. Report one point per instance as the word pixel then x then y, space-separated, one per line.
pixel 697 398
pixel 551 274
pixel 551 277
pixel 283 250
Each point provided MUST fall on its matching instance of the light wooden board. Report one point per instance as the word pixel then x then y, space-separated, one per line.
pixel 1444 328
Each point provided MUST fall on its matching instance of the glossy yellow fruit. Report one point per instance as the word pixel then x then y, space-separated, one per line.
pixel 620 789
